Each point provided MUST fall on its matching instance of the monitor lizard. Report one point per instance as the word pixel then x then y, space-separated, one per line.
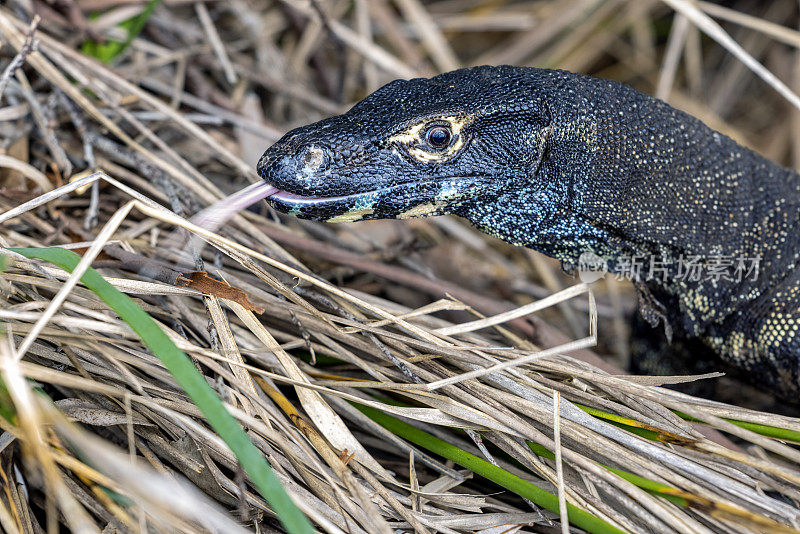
pixel 570 165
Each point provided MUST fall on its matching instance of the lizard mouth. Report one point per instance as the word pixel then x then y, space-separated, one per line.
pixel 333 209
pixel 401 201
pixel 286 198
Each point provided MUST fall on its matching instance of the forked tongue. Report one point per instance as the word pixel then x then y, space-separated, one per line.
pixel 214 216
pixel 219 213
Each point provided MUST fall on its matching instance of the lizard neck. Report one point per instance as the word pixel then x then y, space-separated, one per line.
pixel 625 175
pixel 676 191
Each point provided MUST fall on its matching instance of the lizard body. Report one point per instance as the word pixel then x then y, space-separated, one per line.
pixel 568 164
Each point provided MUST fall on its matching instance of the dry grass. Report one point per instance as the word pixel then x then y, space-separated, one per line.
pixel 179 121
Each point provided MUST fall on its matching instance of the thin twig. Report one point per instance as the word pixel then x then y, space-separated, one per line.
pixel 28 47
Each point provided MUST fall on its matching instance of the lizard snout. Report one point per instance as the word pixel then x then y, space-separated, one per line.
pixel 298 170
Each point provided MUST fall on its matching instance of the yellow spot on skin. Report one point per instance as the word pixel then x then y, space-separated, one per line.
pixel 409 135
pixel 351 216
pixel 418 211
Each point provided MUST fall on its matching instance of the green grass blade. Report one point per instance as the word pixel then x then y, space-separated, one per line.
pixel 513 483
pixel 7 409
pixel 656 488
pixel 107 52
pixel 630 425
pixel 765 430
pixel 621 422
pixel 195 385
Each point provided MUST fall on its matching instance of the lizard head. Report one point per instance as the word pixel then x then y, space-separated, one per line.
pixel 413 148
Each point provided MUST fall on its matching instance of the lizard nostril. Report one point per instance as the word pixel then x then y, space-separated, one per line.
pixel 314 158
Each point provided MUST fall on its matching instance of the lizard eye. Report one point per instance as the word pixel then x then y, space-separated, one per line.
pixel 438 137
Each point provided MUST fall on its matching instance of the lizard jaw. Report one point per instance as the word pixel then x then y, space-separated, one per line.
pixel 400 201
pixel 291 198
pixel 331 209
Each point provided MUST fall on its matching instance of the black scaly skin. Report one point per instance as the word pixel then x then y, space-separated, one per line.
pixel 567 164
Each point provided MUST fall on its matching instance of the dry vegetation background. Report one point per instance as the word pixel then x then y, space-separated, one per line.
pixel 329 314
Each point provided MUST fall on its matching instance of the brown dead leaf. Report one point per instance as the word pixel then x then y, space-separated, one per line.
pixel 200 281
